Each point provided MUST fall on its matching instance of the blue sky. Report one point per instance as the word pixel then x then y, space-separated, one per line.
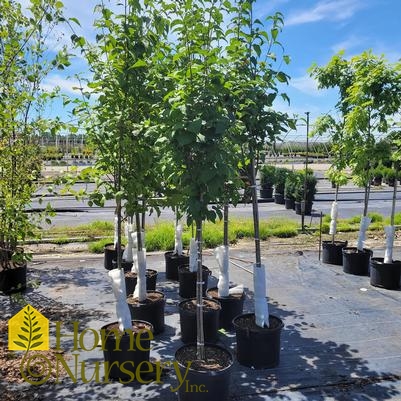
pixel 314 31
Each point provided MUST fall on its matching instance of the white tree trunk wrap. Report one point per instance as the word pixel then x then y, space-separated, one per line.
pixel 334 215
pixel 193 255
pixel 128 251
pixel 388 254
pixel 140 289
pixel 222 255
pixel 261 306
pixel 178 240
pixel 115 231
pixel 365 221
pixel 122 310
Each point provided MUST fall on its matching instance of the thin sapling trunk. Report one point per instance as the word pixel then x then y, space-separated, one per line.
pixel 259 275
pixel 200 340
pixel 390 230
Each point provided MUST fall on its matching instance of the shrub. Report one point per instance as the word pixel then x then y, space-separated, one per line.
pixel 267 174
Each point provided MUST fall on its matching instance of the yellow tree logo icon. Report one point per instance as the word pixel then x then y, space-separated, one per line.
pixel 28 330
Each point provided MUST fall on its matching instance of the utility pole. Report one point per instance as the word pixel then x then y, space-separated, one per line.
pixel 303 203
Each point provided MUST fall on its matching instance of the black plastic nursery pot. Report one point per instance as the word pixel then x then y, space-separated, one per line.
pixel 131 280
pixel 125 351
pixel 308 208
pixel 205 382
pixel 13 279
pixel 266 192
pixel 211 312
pixel 279 199
pixel 231 307
pixel 127 266
pixel 289 203
pixel 332 252
pixel 258 347
pixel 173 262
pixel 187 281
pixel 151 310
pixel 356 262
pixel 110 254
pixel 385 275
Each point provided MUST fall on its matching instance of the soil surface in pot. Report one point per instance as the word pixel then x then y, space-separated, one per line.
pixel 208 305
pixel 149 273
pixel 249 322
pixel 137 327
pixel 214 293
pixel 151 297
pixel 216 358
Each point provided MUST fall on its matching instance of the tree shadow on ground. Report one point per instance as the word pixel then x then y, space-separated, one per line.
pixel 313 367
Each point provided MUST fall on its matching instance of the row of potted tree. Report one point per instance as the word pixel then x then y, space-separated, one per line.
pixel 290 187
pixel 369 98
pixel 183 118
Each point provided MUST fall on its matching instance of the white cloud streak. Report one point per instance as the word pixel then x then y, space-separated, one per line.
pixel 306 84
pixel 332 10
pixel 66 85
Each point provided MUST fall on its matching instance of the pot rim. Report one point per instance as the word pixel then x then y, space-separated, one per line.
pixel 207 372
pixel 217 298
pixel 379 261
pixel 352 249
pixel 148 291
pixel 203 298
pixel 267 329
pixel 133 321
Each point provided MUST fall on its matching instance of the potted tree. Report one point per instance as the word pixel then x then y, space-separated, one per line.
pixel 305 192
pixel 291 183
pixel 23 43
pixel 332 249
pixel 280 176
pixel 126 169
pixel 196 127
pixel 267 173
pixel 258 334
pixel 386 272
pixel 368 97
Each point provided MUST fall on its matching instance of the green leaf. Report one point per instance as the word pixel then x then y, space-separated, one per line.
pixel 194 126
pixel 36 337
pixel 36 344
pixel 23 337
pixel 75 20
pixel 140 63
pixel 20 344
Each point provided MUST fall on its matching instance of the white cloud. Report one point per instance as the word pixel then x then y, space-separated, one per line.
pixel 66 85
pixel 333 10
pixel 306 84
pixel 348 44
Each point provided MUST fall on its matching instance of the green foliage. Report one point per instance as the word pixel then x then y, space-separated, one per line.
pixel 369 95
pixel 280 176
pixel 310 181
pixel 23 67
pixel 267 175
pixel 292 182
